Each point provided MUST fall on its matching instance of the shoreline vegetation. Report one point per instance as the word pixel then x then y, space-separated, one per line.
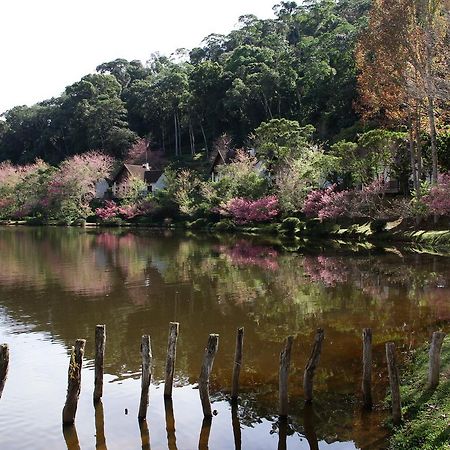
pixel 426 238
pixel 426 413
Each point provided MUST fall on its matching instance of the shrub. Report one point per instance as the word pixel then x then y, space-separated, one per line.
pixel 244 211
pixel 378 225
pixel 224 225
pixel 292 225
pixel 438 199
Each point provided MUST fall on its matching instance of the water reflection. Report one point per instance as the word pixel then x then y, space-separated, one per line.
pixel 170 424
pixel 71 437
pixel 145 435
pixel 203 442
pixel 65 281
pixel 100 439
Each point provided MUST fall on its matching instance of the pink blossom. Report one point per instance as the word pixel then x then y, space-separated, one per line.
pixel 438 199
pixel 109 211
pixel 244 211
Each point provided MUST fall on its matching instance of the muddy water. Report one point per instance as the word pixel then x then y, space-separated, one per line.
pixel 57 284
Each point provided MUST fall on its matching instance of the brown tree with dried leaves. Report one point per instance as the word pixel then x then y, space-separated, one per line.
pixel 403 60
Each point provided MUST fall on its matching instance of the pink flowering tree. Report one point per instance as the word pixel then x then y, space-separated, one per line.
pixel 72 187
pixel 112 210
pixel 327 203
pixel 244 211
pixel 22 188
pixel 330 203
pixel 438 199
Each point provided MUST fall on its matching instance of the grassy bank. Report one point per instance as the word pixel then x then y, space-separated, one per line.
pixel 426 413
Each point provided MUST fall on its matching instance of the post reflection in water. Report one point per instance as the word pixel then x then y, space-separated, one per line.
pixel 145 435
pixel 100 439
pixel 236 426
pixel 170 424
pixel 71 437
pixel 203 442
pixel 308 424
pixel 283 425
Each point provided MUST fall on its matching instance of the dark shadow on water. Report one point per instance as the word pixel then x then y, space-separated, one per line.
pixel 236 426
pixel 71 437
pixel 203 442
pixel 309 428
pixel 170 424
pixel 100 439
pixel 145 435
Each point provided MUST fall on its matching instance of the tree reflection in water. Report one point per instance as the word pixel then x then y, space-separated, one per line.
pixel 65 281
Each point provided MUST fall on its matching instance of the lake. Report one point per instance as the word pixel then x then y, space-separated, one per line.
pixel 56 284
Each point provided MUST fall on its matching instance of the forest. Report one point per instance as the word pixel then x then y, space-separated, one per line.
pixel 337 97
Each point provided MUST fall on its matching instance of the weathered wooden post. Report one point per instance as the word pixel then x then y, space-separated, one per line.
pixel 100 341
pixel 435 359
pixel 237 364
pixel 146 353
pixel 74 382
pixel 203 382
pixel 310 369
pixel 394 382
pixel 283 376
pixel 4 364
pixel 367 368
pixel 171 357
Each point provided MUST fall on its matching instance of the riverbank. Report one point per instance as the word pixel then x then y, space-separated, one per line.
pixel 426 413
pixel 295 231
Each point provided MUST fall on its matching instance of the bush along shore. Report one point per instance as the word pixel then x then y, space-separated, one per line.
pixel 426 412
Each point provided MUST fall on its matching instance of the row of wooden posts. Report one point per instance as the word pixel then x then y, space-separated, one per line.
pixel 76 361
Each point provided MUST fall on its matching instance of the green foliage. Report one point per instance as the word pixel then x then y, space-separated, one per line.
pixel 292 225
pixel 298 67
pixel 280 139
pixel 296 177
pixel 240 178
pixel 377 154
pixel 426 412
pixel 224 225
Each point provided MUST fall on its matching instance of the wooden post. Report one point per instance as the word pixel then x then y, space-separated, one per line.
pixel 394 382
pixel 435 359
pixel 74 382
pixel 237 365
pixel 308 376
pixel 203 382
pixel 100 341
pixel 4 364
pixel 283 376
pixel 367 368
pixel 171 357
pixel 146 353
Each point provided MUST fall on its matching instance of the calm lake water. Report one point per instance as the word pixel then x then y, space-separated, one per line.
pixel 57 284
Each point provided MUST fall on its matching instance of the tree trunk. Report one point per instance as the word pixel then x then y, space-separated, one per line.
pixel 175 132
pixel 204 140
pixel 418 143
pixel 412 153
pixel 432 124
